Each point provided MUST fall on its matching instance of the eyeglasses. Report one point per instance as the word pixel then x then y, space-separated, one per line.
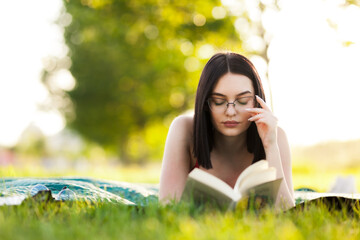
pixel 220 105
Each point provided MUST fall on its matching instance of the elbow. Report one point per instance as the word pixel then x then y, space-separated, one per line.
pixel 168 198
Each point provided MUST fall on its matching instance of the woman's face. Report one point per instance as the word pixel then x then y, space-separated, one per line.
pixel 231 119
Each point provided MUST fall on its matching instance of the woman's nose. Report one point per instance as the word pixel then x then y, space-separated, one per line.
pixel 230 110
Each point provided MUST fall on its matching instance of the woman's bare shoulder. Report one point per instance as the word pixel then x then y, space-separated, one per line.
pixel 181 131
pixel 185 119
pixel 183 123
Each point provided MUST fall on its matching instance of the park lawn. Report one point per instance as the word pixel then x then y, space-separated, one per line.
pixel 149 173
pixel 319 179
pixel 80 220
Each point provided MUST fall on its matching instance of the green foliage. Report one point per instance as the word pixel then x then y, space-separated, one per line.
pixel 136 63
pixel 178 221
pixel 353 2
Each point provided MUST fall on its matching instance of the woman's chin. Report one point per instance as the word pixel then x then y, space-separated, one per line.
pixel 231 132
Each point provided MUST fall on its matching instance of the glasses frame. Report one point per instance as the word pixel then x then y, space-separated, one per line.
pixel 228 103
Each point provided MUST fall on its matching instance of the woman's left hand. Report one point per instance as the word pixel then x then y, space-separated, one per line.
pixel 265 121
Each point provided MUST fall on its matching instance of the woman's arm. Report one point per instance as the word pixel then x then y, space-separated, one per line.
pixel 276 149
pixel 279 156
pixel 176 160
pixel 285 156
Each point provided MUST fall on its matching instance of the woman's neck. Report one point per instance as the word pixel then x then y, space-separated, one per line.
pixel 230 144
pixel 230 155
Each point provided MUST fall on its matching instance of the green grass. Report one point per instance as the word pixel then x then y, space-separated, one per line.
pixel 82 220
pixel 149 173
pixel 322 178
pixel 177 221
pixel 311 176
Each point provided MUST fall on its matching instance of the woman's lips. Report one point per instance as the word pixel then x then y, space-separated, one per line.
pixel 230 124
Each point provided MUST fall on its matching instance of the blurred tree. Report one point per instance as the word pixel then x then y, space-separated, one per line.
pixel 349 5
pixel 353 2
pixel 32 144
pixel 136 63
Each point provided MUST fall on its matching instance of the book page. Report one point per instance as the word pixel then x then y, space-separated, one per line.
pixel 215 183
pixel 256 178
pixel 265 192
pixel 256 167
pixel 314 195
pixel 201 193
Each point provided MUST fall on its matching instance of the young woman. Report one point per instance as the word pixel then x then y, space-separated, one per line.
pixel 231 129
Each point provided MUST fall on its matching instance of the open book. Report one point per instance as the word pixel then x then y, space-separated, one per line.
pixel 256 182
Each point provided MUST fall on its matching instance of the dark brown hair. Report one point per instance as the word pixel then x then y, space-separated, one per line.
pixel 215 68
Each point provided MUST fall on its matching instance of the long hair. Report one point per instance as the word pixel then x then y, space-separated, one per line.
pixel 215 68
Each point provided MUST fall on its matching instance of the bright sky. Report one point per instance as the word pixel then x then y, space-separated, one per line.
pixel 314 78
pixel 28 35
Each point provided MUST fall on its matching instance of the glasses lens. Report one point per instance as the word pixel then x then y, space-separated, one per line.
pixel 243 103
pixel 219 105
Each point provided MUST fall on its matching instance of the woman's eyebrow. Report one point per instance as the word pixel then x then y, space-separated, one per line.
pixel 239 94
pixel 243 93
pixel 218 94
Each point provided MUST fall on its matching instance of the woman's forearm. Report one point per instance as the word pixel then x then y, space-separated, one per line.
pixel 285 199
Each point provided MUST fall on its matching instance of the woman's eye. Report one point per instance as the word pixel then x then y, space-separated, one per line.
pixel 243 101
pixel 219 101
